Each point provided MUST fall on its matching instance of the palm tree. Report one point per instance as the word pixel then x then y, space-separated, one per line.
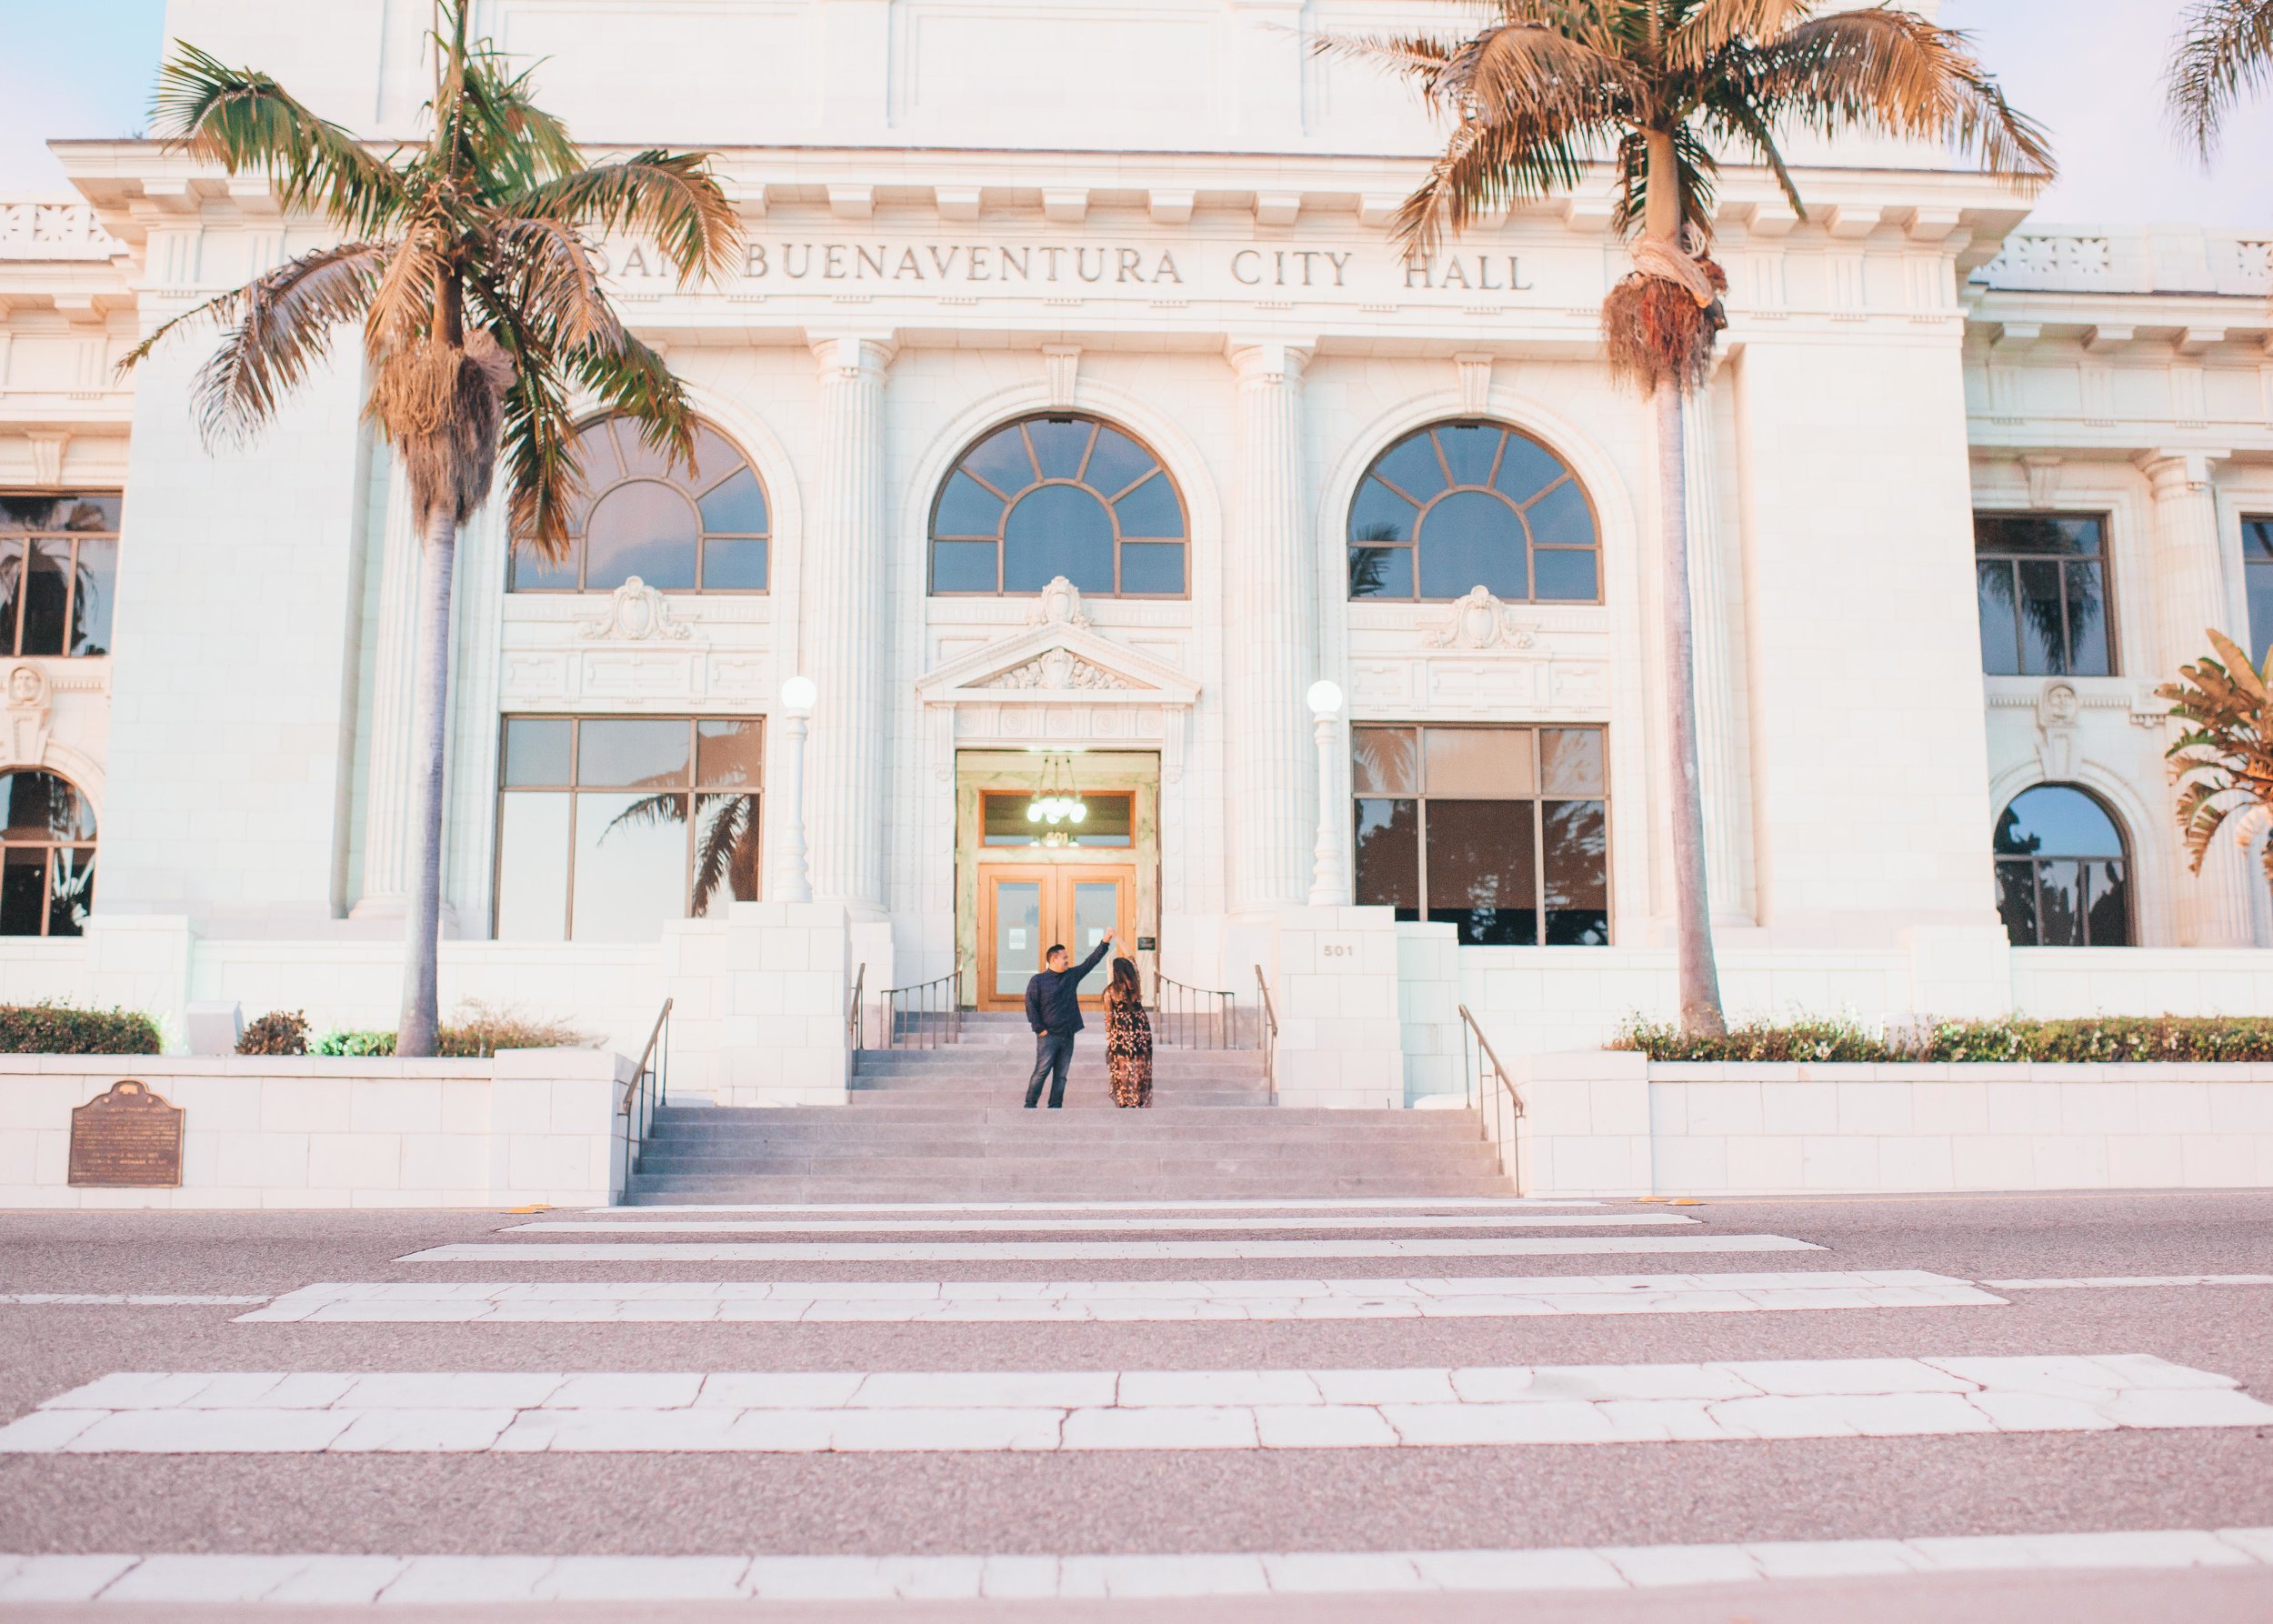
pixel 469 263
pixel 2224 48
pixel 1663 86
pixel 2224 759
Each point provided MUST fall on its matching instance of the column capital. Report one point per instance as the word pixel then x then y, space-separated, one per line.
pixel 851 354
pixel 2179 473
pixel 1269 360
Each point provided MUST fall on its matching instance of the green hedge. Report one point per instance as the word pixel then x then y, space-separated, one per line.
pixel 65 1029
pixel 475 1032
pixel 2098 1037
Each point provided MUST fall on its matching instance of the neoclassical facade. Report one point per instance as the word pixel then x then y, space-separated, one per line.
pixel 1064 430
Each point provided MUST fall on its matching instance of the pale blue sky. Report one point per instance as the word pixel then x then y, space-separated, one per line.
pixel 2089 69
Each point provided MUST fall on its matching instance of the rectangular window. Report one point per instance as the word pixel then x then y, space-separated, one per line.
pixel 2040 583
pixel 1109 819
pixel 59 573
pixel 2257 569
pixel 610 826
pixel 1502 832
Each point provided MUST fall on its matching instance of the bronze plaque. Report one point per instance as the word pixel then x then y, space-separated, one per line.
pixel 129 1139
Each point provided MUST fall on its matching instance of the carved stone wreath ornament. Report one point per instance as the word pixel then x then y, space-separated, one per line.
pixel 635 613
pixel 1478 621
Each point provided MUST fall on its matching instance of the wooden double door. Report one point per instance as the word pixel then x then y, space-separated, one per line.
pixel 1024 908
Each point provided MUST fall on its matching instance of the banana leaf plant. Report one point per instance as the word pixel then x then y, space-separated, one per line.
pixel 2223 761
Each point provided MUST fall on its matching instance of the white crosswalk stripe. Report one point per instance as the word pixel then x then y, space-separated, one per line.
pixel 1318 1224
pixel 397 1581
pixel 814 1411
pixel 1077 1251
pixel 2118 1282
pixel 960 1301
pixel 1253 1204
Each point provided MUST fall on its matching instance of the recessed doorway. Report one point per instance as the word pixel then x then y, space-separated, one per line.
pixel 1024 881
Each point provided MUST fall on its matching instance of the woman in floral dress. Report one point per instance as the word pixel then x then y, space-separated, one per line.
pixel 1127 1038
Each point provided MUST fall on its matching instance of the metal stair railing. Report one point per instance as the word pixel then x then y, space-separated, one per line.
pixel 646 1092
pixel 1186 1017
pixel 1267 1036
pixel 1503 1102
pixel 924 1014
pixel 854 1027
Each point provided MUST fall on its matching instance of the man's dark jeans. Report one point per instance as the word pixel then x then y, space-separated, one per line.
pixel 1053 1053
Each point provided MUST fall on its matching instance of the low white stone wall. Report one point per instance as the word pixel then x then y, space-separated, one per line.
pixel 1616 1124
pixel 526 1127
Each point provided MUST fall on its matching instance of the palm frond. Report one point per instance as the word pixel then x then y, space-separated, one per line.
pixel 403 303
pixel 648 812
pixel 1418 56
pixel 632 379
pixel 1893 71
pixel 2224 47
pixel 538 438
pixel 241 120
pixel 549 272
pixel 1733 118
pixel 1712 25
pixel 672 198
pixel 726 846
pixel 276 328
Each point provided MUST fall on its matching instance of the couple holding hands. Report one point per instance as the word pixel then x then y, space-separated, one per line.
pixel 1053 1008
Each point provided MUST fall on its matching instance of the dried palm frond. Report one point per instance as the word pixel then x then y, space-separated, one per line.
pixel 2224 48
pixel 1655 330
pixel 442 408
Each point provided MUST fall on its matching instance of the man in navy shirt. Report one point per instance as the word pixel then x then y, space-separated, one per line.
pixel 1053 1008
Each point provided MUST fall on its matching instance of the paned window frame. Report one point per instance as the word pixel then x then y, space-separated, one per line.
pixel 49 847
pixel 623 431
pixel 2103 560
pixel 1521 510
pixel 1010 500
pixel 2256 577
pixel 693 788
pixel 1538 799
pixel 2029 861
pixel 23 540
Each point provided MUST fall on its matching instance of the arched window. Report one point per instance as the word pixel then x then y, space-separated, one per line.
pixel 679 530
pixel 46 855
pixel 2062 878
pixel 1458 506
pixel 1059 494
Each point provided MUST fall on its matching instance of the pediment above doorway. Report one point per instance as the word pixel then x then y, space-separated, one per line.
pixel 1058 653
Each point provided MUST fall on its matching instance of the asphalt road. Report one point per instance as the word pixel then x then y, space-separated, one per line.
pixel 1181 1501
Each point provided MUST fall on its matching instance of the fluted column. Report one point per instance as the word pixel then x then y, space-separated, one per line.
pixel 1720 782
pixel 2214 908
pixel 844 625
pixel 1271 643
pixel 387 808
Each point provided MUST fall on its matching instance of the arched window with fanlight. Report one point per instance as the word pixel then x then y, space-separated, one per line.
pixel 2063 875
pixel 1058 494
pixel 644 513
pixel 1458 506
pixel 46 855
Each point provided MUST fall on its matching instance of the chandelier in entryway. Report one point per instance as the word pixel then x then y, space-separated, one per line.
pixel 1057 801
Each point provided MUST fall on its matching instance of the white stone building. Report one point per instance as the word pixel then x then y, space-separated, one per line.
pixel 1964 489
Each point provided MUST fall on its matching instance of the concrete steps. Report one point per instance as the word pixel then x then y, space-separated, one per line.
pixel 948 1124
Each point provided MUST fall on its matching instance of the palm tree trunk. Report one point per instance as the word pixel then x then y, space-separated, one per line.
pixel 1699 976
pixel 415 1032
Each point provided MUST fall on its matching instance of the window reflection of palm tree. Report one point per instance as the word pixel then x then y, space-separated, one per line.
pixel 2042 616
pixel 1369 566
pixel 726 839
